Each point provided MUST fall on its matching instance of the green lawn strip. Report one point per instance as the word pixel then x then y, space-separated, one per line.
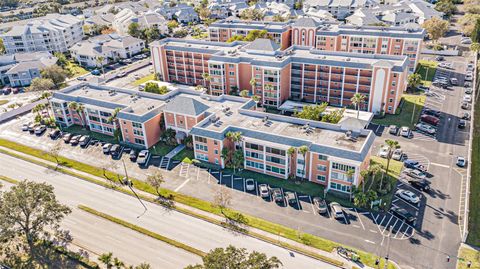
pixel 412 105
pixel 425 66
pixel 474 212
pixel 466 254
pixel 143 231
pixel 2 102
pixel 143 80
pixel 8 179
pixel 186 156
pixel 75 70
pixel 277 229
pixel 161 149
pixel 393 174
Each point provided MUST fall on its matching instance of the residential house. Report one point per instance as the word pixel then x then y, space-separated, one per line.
pixel 18 70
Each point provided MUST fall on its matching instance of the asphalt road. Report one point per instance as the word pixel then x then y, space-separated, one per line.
pixel 189 230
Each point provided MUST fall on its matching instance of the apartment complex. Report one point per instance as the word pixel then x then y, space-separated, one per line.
pixel 330 36
pixel 334 150
pixel 299 73
pixel 53 33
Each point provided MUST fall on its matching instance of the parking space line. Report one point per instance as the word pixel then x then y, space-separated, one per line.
pixel 393 226
pixel 232 182
pixel 384 228
pixel 345 218
pixel 256 185
pixel 244 185
pixel 283 195
pixel 181 185
pixel 399 229
pixel 311 203
pixel 358 216
pixel 328 213
pixel 298 202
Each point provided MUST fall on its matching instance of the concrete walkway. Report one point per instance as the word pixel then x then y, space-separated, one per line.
pixel 280 240
pixel 175 151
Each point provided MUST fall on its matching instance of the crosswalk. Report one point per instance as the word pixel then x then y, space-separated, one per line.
pixel 164 163
pixel 393 227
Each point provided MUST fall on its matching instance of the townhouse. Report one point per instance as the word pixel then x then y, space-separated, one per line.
pixel 326 35
pixel 18 70
pixel 336 152
pixel 298 73
pixel 53 33
pixel 340 9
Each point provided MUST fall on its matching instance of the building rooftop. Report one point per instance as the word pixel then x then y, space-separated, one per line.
pixel 278 27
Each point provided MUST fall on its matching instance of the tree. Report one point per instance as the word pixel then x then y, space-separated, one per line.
pixel 106 259
pixel 143 266
pixel 236 258
pixel 255 34
pixel 134 30
pixel 172 25
pixel 151 34
pixel 222 199
pixel 99 61
pixel 357 100
pixel 391 146
pixel 204 13
pixel 303 150
pixel 475 47
pixel 256 99
pixel 225 155
pixel 252 83
pixel 206 78
pixel 414 80
pixel 30 213
pixel 154 88
pixel 156 179
pixel 468 23
pixel 78 108
pixel 278 18
pixel 291 152
pixel 54 151
pixel 2 47
pixel 251 14
pixel 180 33
pixel 244 93
pixel 118 263
pixel 436 28
pixel 237 159
pixel 41 85
pixel 446 6
pixel 312 112
pixel 235 137
pixel 334 116
pixel 298 5
pixel 61 59
pixel 55 73
pixel 475 36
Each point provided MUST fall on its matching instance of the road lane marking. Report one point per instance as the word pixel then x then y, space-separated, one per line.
pixel 358 216
pixel 368 241
pixel 441 165
pixel 384 228
pixel 183 184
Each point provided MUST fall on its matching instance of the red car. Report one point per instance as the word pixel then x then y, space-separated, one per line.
pixel 430 119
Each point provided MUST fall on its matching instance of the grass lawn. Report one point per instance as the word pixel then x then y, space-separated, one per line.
pixel 394 171
pixel 75 129
pixel 143 80
pixel 75 70
pixel 267 226
pixel 412 105
pixel 186 156
pixel 2 102
pixel 467 254
pixel 426 69
pixel 474 213
pixel 161 149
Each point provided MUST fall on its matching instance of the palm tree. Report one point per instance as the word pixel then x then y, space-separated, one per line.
pixel 78 108
pixel 373 170
pixel 118 263
pixel 113 117
pixel 225 155
pixel 99 61
pixel 357 100
pixel 244 93
pixel 364 174
pixel 256 99
pixel 143 266
pixel 391 146
pixel 252 83
pixel 303 150
pixel 206 77
pixel 291 151
pixel 107 259
pixel 235 137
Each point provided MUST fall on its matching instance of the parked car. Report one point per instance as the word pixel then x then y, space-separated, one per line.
pixel 468 91
pixel 414 165
pixel 439 58
pixel 432 112
pixel 32 126
pixel 466 40
pixel 467 84
pixel 408 196
pixel 454 81
pixel 320 205
pixel 405 131
pixel 462 124
pixel 465 116
pixel 81 78
pixel 337 210
pixel 250 184
pixel 84 140
pixel 467 98
pixel 25 126
pixel 402 213
pixel 121 74
pixel 425 128
pixel 397 154
pixel 67 137
pixel 430 119
pixel 465 106
pixel 95 72
pixel 15 90
pixel 133 155
pixel 115 150
pixel 277 195
pixel 422 185
pixel 106 148
pixel 383 152
pixel 7 91
pixel 461 161
pixel 415 173
pixel 393 129
pixel 75 139
pixel 143 157
pixel 40 129
pixel 264 190
pixel 468 77
pixel 290 196
pixel 54 134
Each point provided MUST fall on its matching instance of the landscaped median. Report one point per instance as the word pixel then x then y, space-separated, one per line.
pixel 273 228
pixel 143 231
pixel 406 115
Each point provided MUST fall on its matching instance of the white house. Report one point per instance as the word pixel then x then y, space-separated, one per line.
pixel 21 68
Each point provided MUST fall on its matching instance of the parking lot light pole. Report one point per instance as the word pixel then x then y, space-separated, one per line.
pixel 385 266
pixel 129 183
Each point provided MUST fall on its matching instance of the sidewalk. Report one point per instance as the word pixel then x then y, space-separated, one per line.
pixel 175 151
pixel 347 264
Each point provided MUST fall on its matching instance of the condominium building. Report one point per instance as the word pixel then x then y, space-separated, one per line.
pixel 298 73
pixel 336 152
pixel 330 36
pixel 53 33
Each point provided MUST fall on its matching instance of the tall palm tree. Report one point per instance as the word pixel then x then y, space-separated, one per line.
pixel 78 108
pixel 99 61
pixel 303 150
pixel 206 78
pixel 107 259
pixel 244 93
pixel 118 263
pixel 357 100
pixel 252 83
pixel 291 151
pixel 114 115
pixel 374 170
pixel 256 99
pixel 391 146
pixel 235 137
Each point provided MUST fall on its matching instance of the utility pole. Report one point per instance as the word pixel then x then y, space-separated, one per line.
pixel 129 183
pixel 385 266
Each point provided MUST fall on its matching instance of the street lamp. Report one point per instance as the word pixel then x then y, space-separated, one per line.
pixel 129 183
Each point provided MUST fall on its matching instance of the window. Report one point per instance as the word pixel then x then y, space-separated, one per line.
pixel 139 141
pixel 390 100
pixel 200 139
pixel 321 178
pixel 215 142
pixel 105 114
pixel 137 132
pixel 216 151
pixel 342 167
pixel 394 83
pixel 216 161
pixel 275 151
pixel 300 171
pixel 321 168
pixel 108 129
pixel 339 187
pixel 322 157
pixel 254 164
pixel 202 157
pixel 254 155
pixel 275 160
pixel 231 66
pixel 341 176
pixel 254 146
pixel 136 125
pixel 231 73
pixel 201 147
pixel 390 108
pixel 274 169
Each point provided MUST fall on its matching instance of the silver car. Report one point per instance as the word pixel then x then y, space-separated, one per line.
pixel 426 128
pixel 408 196
pixel 250 184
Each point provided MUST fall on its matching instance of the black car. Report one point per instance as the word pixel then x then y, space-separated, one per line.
pixel 439 58
pixel 133 155
pixel 54 134
pixel 462 124
pixel 422 185
pixel 115 150
pixel 432 112
pixel 403 214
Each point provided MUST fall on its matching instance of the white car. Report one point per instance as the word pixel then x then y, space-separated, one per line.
pixel 461 161
pixel 467 98
pixel 468 91
pixel 383 152
pixel 40 129
pixel 25 126
pixel 426 128
pixel 466 40
pixel 397 154
pixel 469 67
pixel 250 184
pixel 468 77
pixel 405 131
pixel 415 173
pixel 454 81
pixel 264 190
pixel 143 157
pixel 408 196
